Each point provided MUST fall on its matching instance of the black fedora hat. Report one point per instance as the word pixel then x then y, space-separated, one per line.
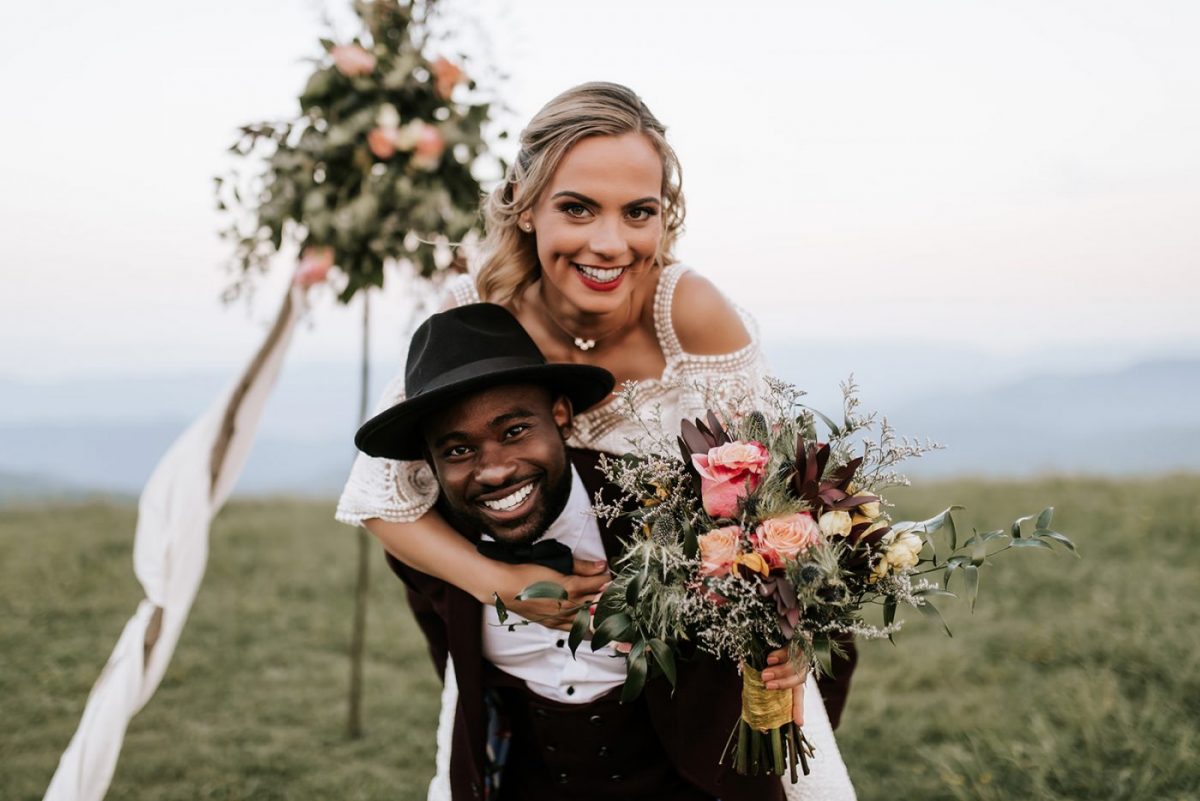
pixel 464 349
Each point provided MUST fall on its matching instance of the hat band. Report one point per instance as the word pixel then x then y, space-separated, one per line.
pixel 475 369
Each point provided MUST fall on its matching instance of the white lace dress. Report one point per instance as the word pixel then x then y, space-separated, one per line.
pixel 404 491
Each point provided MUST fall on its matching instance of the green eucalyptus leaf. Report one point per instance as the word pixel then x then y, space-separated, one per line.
pixel 665 658
pixel 579 628
pixel 618 627
pixel 930 611
pixel 889 610
pixel 1059 538
pixel 1043 521
pixel 1031 543
pixel 833 427
pixel 635 680
pixel 971 580
pixel 823 649
pixel 635 589
pixel 543 590
pixel 501 609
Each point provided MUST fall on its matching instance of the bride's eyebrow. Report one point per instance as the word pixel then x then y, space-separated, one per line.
pixel 585 199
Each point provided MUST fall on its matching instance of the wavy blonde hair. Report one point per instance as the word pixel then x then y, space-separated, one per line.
pixel 509 261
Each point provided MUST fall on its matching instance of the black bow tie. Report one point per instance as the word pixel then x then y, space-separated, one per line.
pixel 548 553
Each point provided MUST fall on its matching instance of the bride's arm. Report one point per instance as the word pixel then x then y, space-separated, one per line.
pixel 430 545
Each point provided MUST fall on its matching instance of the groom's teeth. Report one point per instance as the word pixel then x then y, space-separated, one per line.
pixel 510 501
pixel 603 276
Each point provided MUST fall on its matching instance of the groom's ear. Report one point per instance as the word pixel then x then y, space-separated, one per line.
pixel 564 415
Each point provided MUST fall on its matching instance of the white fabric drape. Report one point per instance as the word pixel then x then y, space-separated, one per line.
pixel 188 487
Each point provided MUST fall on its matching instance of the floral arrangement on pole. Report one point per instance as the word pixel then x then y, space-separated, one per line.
pixel 378 165
pixel 756 536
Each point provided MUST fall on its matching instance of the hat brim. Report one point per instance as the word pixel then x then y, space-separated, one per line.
pixel 396 433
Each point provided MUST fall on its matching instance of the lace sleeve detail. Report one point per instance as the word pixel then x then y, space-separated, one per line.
pixel 462 288
pixel 396 491
pixel 724 378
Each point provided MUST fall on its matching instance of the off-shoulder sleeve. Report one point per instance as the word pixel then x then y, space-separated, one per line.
pixel 396 491
pixel 725 379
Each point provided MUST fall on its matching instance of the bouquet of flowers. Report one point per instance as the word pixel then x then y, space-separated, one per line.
pixel 757 536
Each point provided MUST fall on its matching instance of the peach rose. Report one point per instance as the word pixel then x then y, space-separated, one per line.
pixel 382 142
pixel 446 76
pixel 718 549
pixel 315 262
pixel 728 473
pixel 780 538
pixel 352 60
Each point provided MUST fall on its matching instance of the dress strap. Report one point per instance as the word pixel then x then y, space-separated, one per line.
pixel 664 297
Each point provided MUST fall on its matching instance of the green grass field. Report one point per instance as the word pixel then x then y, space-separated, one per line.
pixel 1074 679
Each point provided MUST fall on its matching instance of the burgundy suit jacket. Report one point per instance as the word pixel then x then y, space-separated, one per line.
pixel 693 725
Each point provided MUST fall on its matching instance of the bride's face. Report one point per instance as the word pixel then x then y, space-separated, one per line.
pixel 599 221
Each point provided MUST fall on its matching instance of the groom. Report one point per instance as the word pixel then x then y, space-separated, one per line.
pixel 490 416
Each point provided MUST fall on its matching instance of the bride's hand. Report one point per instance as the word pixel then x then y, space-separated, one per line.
pixel 781 674
pixel 582 587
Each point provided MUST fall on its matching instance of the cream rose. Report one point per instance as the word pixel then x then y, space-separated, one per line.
pixel 835 523
pixel 901 551
pixel 780 538
pixel 870 509
pixel 718 549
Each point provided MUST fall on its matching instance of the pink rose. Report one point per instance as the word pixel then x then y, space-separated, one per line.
pixel 382 142
pixel 780 538
pixel 446 76
pixel 718 549
pixel 427 150
pixel 315 262
pixel 728 473
pixel 352 60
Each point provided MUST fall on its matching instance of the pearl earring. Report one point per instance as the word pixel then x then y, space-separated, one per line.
pixel 528 227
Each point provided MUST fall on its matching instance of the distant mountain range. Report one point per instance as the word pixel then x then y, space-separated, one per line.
pixel 106 434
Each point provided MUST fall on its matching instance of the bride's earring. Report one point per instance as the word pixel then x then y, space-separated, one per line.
pixel 527 227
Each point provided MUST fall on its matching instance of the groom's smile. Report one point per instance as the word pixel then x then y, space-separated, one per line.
pixel 500 460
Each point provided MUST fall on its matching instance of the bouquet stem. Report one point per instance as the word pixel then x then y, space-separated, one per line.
pixel 768 742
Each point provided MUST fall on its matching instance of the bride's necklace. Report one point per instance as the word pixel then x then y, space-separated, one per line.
pixel 582 343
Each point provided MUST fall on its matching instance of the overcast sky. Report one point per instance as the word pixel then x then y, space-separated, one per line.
pixel 1017 176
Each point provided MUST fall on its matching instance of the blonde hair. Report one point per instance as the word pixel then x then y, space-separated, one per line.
pixel 509 261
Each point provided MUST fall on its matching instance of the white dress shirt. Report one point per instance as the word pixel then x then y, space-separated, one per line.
pixel 538 655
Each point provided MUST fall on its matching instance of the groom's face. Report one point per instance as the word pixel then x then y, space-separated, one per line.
pixel 500 459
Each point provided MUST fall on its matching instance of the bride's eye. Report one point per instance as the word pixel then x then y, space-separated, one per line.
pixel 642 213
pixel 573 209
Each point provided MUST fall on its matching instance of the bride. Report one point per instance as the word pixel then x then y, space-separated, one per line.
pixel 579 248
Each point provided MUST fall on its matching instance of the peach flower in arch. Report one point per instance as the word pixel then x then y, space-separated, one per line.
pixel 446 76
pixel 352 60
pixel 315 262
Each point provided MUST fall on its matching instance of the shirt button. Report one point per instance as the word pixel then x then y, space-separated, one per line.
pixel 616 777
pixel 541 713
pixel 561 643
pixel 603 751
pixel 550 749
pixel 570 691
pixel 596 720
pixel 563 778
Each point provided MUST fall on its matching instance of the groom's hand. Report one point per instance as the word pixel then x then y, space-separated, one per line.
pixel 782 674
pixel 582 587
